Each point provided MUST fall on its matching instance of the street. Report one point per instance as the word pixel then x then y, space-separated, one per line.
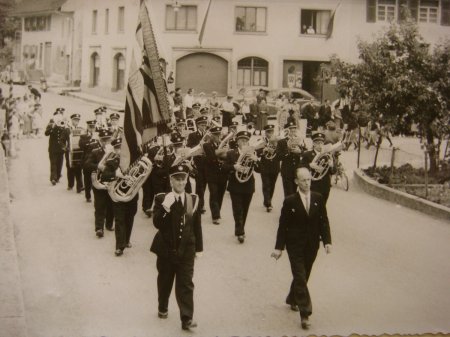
pixel 388 271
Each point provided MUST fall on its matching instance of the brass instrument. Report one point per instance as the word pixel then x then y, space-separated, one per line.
pixel 245 160
pixel 97 175
pixel 324 160
pixel 226 140
pixel 75 153
pixel 269 151
pixel 190 125
pixel 188 154
pixel 117 133
pixel 295 142
pixel 125 188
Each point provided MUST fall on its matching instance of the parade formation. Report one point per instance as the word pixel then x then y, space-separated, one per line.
pixel 205 151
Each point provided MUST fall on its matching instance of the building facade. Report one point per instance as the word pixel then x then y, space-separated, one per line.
pixel 244 43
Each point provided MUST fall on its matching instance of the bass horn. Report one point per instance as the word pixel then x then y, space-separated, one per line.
pixel 246 161
pixel 324 160
pixel 125 188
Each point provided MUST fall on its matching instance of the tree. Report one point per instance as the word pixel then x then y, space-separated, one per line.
pixel 398 77
pixel 8 27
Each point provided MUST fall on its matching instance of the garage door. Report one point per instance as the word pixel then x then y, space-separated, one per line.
pixel 202 72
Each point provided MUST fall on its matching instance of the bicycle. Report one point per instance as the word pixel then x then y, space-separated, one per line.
pixel 340 177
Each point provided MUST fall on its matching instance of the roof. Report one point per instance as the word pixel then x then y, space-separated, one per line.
pixel 28 7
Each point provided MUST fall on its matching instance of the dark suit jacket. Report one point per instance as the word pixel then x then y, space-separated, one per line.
pixel 215 169
pixel 173 240
pixel 289 160
pixel 298 230
pixel 58 138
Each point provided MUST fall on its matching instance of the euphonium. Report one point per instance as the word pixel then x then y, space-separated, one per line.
pixel 269 151
pixel 324 160
pixel 125 188
pixel 245 160
pixel 295 142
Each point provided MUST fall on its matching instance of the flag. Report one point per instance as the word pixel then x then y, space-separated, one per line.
pixel 146 105
pixel 202 31
pixel 331 22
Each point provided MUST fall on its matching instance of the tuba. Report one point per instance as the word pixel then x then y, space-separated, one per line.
pixel 125 188
pixel 245 160
pixel 324 160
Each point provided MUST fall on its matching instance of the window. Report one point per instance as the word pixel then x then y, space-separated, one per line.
pixel 37 23
pixel 251 19
pixel 428 10
pixel 411 5
pixel 380 10
pixel 95 69
pixel 106 20
pixel 252 71
pixel 94 22
pixel 184 18
pixel 445 12
pixel 119 71
pixel 314 22
pixel 121 20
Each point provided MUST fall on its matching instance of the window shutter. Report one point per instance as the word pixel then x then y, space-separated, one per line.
pixel 445 13
pixel 371 11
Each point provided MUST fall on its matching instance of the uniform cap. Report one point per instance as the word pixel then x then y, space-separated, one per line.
pixel 75 116
pixel 201 119
pixel 318 136
pixel 234 124
pixel 216 119
pixel 204 109
pixel 269 127
pixel 216 129
pixel 243 134
pixel 290 125
pixel 98 111
pixel 180 120
pixel 179 169
pixel 196 106
pixel 176 138
pixel 114 116
pixel 91 123
pixel 105 134
pixel 116 142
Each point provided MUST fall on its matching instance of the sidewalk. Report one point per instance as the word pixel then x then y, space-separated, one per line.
pixel 76 93
pixel 12 313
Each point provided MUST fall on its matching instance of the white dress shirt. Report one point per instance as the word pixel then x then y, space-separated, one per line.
pixel 306 199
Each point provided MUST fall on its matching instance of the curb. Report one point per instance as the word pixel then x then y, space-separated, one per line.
pixel 92 100
pixel 370 186
pixel 12 312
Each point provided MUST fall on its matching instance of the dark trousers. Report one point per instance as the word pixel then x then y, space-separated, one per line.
pixel 103 205
pixel 182 273
pixel 268 186
pixel 289 185
pixel 87 183
pixel 56 164
pixel 216 192
pixel 148 194
pixel 301 265
pixel 124 213
pixel 73 173
pixel 200 187
pixel 240 203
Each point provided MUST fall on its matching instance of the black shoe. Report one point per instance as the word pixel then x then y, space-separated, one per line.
pixel 203 211
pixel 241 238
pixel 163 314
pixel 269 209
pixel 305 323
pixel 99 233
pixel 216 221
pixel 118 252
pixel 69 188
pixel 129 245
pixel 53 182
pixel 188 325
pixel 148 212
pixel 110 228
pixel 79 190
pixel 294 307
pixel 88 200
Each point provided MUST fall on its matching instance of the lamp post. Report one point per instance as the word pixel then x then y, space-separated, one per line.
pixel 176 6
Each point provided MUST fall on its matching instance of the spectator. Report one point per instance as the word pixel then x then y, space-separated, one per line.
pixel 35 93
pixel 310 30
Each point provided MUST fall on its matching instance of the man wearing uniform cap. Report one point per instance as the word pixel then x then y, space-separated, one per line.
pixel 104 215
pixel 74 171
pixel 269 166
pixel 115 128
pixel 178 241
pixel 87 143
pixel 196 109
pixel 215 172
pixel 290 158
pixel 57 145
pixel 101 123
pixel 322 185
pixel 193 140
pixel 241 192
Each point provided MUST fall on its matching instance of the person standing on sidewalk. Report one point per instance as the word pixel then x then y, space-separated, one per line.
pixel 177 243
pixel 303 224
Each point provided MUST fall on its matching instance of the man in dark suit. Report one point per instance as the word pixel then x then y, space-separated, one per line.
pixel 87 143
pixel 241 193
pixel 74 169
pixel 216 174
pixel 178 241
pixel 303 223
